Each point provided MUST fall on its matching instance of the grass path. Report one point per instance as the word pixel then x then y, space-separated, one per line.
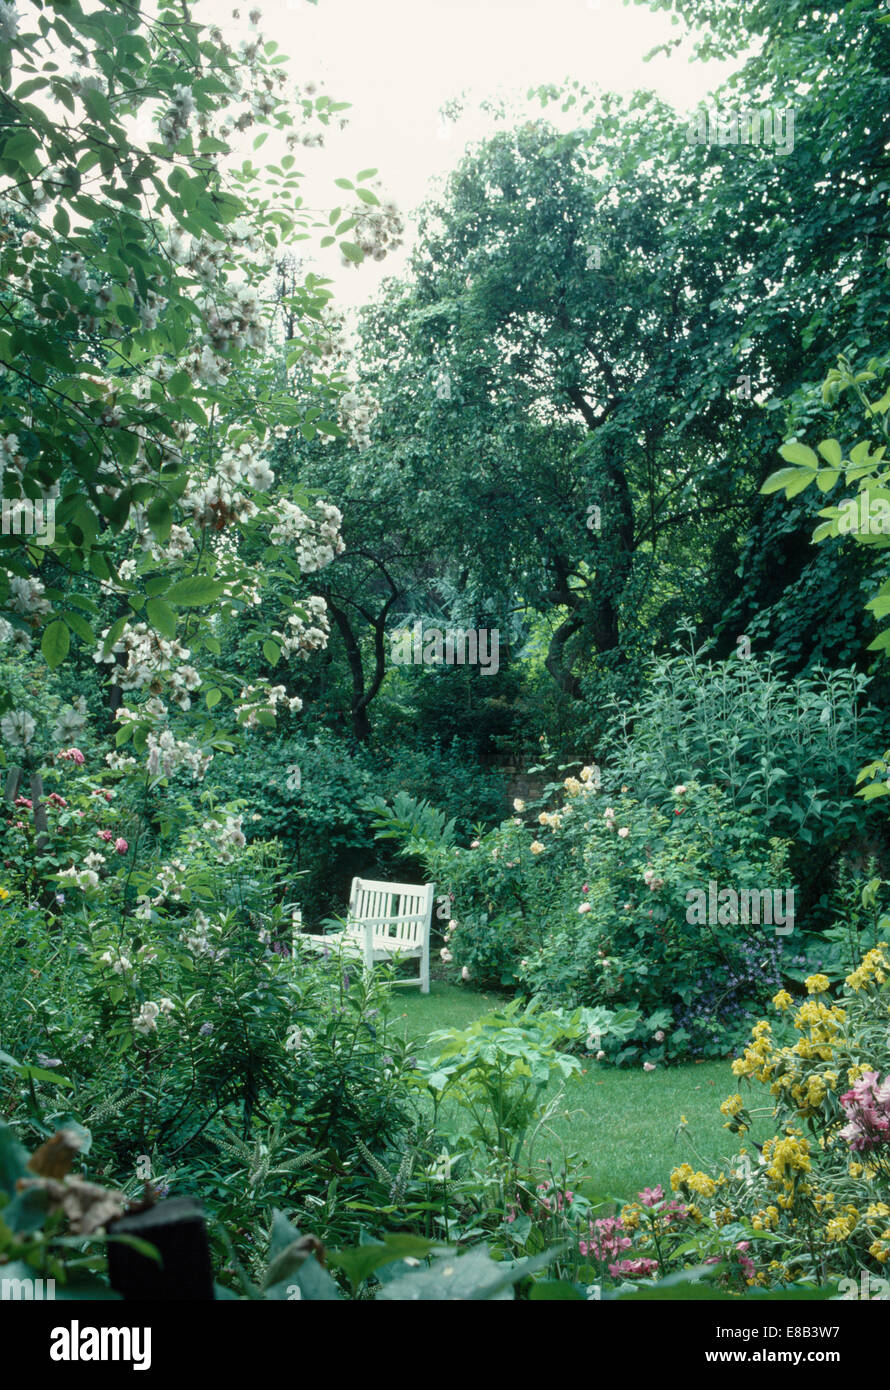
pixel 619 1123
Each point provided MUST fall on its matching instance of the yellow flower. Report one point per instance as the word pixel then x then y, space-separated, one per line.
pixel 630 1217
pixel 841 1227
pixel 782 1000
pixel 685 1176
pixel 874 966
pixel 790 1153
pixel 518 804
pixel 572 786
pixel 732 1105
pixel 679 1176
pixel 536 847
pixel 817 984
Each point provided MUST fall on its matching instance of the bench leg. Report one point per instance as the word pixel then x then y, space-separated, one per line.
pixel 425 967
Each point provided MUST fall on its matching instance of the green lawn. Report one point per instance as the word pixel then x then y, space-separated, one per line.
pixel 619 1123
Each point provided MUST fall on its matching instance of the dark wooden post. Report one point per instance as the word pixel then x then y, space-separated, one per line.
pixel 176 1229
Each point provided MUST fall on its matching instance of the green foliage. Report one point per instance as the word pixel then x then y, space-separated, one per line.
pixel 785 750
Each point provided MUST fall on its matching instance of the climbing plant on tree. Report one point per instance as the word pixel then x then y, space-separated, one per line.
pixel 136 304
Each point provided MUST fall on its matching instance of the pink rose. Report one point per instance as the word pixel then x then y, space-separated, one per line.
pixel 105 835
pixel 121 845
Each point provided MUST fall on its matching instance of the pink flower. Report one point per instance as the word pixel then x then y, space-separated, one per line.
pixel 605 1239
pixel 55 800
pixel 867 1106
pixel 623 833
pixel 562 1198
pixel 636 1269
pixel 73 755
pixel 105 835
pixel 474 844
pixel 121 845
pixel 651 1196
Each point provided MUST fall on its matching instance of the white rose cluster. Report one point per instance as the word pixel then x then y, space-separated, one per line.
pixel 226 836
pixel 200 938
pixel 379 230
pixel 238 321
pixel 169 883
pixel 119 963
pixel 84 879
pixel 167 754
pixel 302 637
pixel 148 655
pixel 317 540
pixel 255 701
pixel 174 124
pixel 26 596
pixel 357 410
pixel 146 1021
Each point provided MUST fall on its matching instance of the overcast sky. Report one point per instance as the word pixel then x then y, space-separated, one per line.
pixel 398 61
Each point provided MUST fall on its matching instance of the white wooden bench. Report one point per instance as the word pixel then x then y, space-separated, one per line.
pixel 384 921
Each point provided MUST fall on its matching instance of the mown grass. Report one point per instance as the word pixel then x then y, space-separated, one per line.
pixel 620 1124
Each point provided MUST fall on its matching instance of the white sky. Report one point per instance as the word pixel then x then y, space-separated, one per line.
pixel 398 61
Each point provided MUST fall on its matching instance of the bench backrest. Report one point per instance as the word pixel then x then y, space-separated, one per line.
pixel 400 911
